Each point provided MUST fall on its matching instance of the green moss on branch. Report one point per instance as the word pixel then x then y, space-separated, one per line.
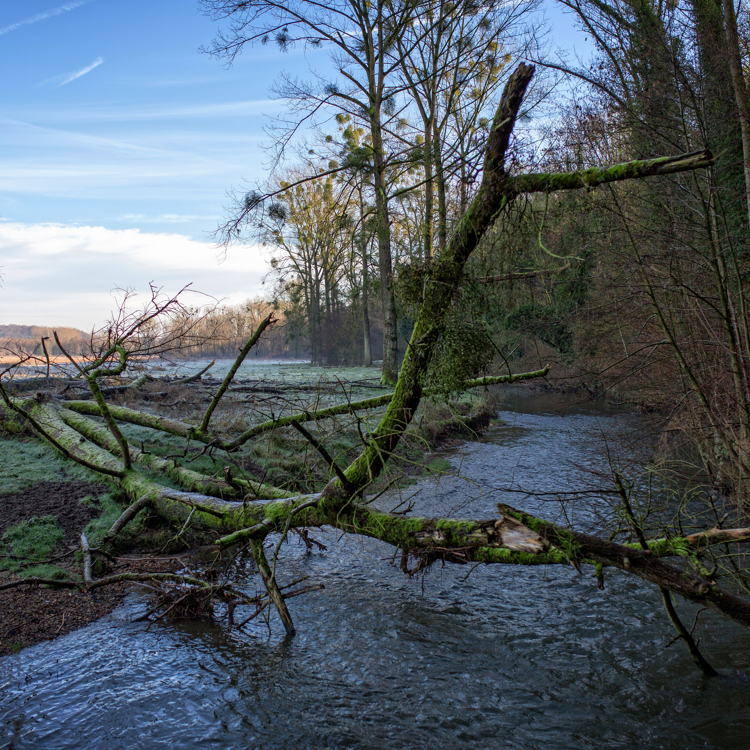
pixel 550 182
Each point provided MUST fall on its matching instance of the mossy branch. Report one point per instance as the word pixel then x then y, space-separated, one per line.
pixel 686 546
pixel 184 430
pixel 251 342
pixel 310 416
pixel 132 416
pixel 197 376
pixel 187 478
pixel 549 182
pixel 641 563
pixel 330 461
pixel 109 420
pixel 269 579
pixel 46 433
pixel 500 379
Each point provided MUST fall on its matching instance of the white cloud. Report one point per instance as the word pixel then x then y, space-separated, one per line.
pixel 57 274
pixel 163 218
pixel 66 78
pixel 43 16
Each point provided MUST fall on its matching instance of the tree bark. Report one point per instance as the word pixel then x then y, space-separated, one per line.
pixel 740 90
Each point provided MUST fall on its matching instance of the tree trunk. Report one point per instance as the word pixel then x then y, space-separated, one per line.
pixel 390 331
pixel 740 91
pixel 442 198
pixel 428 192
pixel 367 341
pixel 722 101
pixel 363 242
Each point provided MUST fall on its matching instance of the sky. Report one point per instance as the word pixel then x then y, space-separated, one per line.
pixel 119 142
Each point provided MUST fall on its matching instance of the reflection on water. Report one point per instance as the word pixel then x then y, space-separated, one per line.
pixel 506 658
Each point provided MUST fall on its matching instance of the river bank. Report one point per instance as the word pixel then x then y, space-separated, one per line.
pixel 492 656
pixel 78 500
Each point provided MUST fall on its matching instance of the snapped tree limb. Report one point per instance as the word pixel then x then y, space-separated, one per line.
pixel 514 538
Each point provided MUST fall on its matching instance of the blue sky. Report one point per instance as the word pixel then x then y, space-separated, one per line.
pixel 118 144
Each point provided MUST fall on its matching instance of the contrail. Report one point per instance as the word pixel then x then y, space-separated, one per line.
pixel 82 72
pixel 42 16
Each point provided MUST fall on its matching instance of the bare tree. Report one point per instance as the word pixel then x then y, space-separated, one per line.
pixel 310 227
pixel 359 35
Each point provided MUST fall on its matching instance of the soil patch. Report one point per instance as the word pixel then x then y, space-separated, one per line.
pixel 28 614
pixel 32 614
pixel 59 499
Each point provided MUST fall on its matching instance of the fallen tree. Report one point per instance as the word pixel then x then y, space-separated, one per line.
pixel 244 513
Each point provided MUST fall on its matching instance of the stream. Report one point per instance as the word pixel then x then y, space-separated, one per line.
pixel 490 657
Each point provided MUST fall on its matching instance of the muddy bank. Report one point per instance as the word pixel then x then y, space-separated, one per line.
pixel 29 615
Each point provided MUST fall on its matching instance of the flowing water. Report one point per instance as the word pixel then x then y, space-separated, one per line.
pixel 504 658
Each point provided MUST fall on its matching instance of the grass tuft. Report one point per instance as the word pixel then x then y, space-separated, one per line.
pixel 48 571
pixel 32 539
pixel 437 466
pixel 110 512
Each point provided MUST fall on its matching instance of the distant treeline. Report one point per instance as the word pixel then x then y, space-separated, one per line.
pixel 221 332
pixel 28 339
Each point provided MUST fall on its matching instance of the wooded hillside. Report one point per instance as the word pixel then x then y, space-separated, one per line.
pixel 29 338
